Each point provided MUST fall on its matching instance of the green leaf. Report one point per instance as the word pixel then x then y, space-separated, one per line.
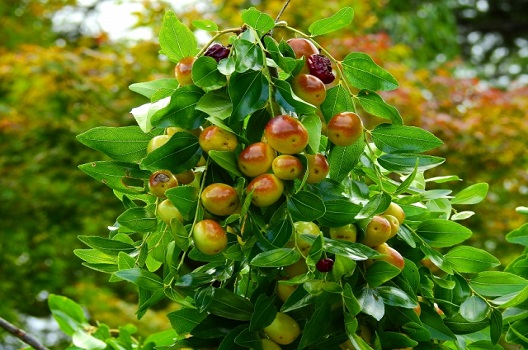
pixel 339 212
pixel 179 154
pixel 249 56
pixel 381 272
pixel 287 63
pixel 149 88
pixel 343 266
pixel 363 73
pixel 396 297
pixel 144 113
pixel 373 103
pixel 317 325
pixel 462 215
pixel 227 160
pixel 95 257
pixel 402 138
pixel 474 309
pixel 519 235
pixel 259 21
pixel 406 162
pixel 185 199
pixel 440 233
pixel 289 101
pixel 305 206
pixel 472 195
pixel 264 313
pixel 176 40
pixel 279 233
pixel 181 110
pixel 350 301
pixel 142 278
pixel 497 283
pixel 355 251
pixel 106 245
pixel 183 321
pixel 391 340
pixel 297 300
pixel 205 74
pixel 313 125
pixel 230 305
pixel 459 325
pixel 276 257
pixel 337 100
pixel 495 326
pixel 252 97
pixel 205 24
pixel 343 159
pixel 138 219
pixel 434 324
pixel 340 19
pixel 84 340
pixel 469 259
pixel 371 303
pixel 119 176
pixel 68 314
pixel 216 104
pixel 228 343
pixel 376 205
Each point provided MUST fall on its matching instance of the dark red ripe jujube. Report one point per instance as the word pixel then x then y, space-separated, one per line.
pixel 217 51
pixel 325 265
pixel 321 67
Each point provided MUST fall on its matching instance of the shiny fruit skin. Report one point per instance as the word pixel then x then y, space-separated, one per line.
pixel 267 189
pixel 344 129
pixel 305 227
pixel 160 181
pixel 156 142
pixel 186 177
pixel 325 265
pixel 296 269
pixel 220 199
pixel 287 167
pixel 318 168
pixel 256 159
pixel 269 345
pixel 167 211
pixel 391 255
pixel 345 233
pixel 182 71
pixel 377 232
pixel 395 210
pixel 215 138
pixel 309 88
pixel 302 47
pixel 285 290
pixel 171 130
pixel 286 134
pixel 209 237
pixel 395 224
pixel 217 51
pixel 283 330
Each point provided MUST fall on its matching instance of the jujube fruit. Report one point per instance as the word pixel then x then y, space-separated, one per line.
pixel 395 224
pixel 220 199
pixel 287 167
pixel 256 159
pixel 182 71
pixel 325 265
pixel 377 232
pixel 215 138
pixel 318 168
pixel 302 47
pixel 321 67
pixel 267 189
pixel 309 88
pixel 286 134
pixel 209 237
pixel 395 210
pixel 345 233
pixel 305 227
pixel 390 255
pixel 283 330
pixel 167 211
pixel 160 181
pixel 156 142
pixel 344 129
pixel 217 51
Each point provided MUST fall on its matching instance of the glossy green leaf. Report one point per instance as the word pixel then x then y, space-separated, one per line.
pixel 185 199
pixel 213 327
pixel 250 99
pixel 343 266
pixel 317 324
pixel 138 219
pixel 119 176
pixel 470 259
pixel 363 73
pixel 313 125
pixel 179 154
pixel 83 340
pixel 497 283
pixel 216 104
pixel 149 88
pixel 230 305
pixel 403 138
pixel 181 110
pixel 106 245
pixel 94 256
pixel 434 324
pixel 228 343
pixel 227 160
pixel 183 321
pixel 144 113
pixel 474 309
pixel 297 300
pixel 343 159
pixel 305 206
pixel 340 19
pixel 287 63
pixel 441 233
pixel 68 314
pixel 205 74
pixel 264 313
pixel 471 195
pixel 259 21
pixel 290 102
pixel 339 212
pixel 205 24
pixel 276 257
pixel 406 162
pixel 459 325
pixel 371 303
pixel 396 297
pixel 391 340
pixel 462 215
pixel 249 56
pixel 519 235
pixel 355 251
pixel 374 104
pixel 176 40
pixel 349 299
pixel 142 278
pixel 337 100
pixel 381 272
pixel 376 205
pixel 495 326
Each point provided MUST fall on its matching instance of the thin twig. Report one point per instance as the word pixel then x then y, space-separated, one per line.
pixel 22 335
pixel 282 10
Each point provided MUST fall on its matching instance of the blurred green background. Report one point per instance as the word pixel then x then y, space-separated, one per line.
pixel 65 67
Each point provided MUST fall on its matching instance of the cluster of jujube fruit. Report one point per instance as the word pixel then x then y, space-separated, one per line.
pixel 269 165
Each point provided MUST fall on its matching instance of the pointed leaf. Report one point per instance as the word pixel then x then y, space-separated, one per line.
pixel 472 195
pixel 176 40
pixel 340 19
pixel 402 138
pixel 363 73
pixel 374 104
pixel 249 92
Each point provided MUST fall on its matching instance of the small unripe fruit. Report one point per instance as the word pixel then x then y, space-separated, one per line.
pixel 156 142
pixel 377 232
pixel 256 159
pixel 186 177
pixel 167 211
pixel 286 134
pixel 396 211
pixel 220 199
pixel 344 129
pixel 215 138
pixel 318 168
pixel 309 88
pixel 171 130
pixel 325 265
pixel 345 233
pixel 296 269
pixel 287 167
pixel 182 71
pixel 209 237
pixel 283 330
pixel 160 181
pixel 395 224
pixel 267 189
pixel 305 227
pixel 285 290
pixel 390 255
